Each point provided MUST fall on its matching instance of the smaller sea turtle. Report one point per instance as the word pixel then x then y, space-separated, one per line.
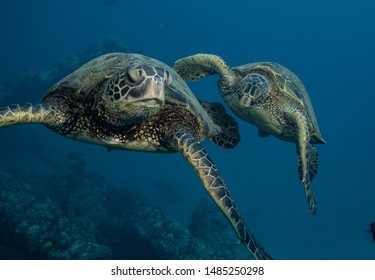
pixel 133 102
pixel 270 97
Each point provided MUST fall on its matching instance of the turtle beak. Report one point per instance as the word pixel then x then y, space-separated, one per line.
pixel 151 103
pixel 155 90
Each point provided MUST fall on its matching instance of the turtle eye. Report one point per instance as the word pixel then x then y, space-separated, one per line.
pixel 168 77
pixel 135 76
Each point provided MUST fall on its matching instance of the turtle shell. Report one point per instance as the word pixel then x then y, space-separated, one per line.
pixel 290 84
pixel 92 77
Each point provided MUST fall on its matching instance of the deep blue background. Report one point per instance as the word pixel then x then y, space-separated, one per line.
pixel 328 44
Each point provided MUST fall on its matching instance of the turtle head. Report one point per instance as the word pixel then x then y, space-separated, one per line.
pixel 136 93
pixel 254 89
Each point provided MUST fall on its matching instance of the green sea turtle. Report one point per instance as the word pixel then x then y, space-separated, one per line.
pixel 270 97
pixel 133 102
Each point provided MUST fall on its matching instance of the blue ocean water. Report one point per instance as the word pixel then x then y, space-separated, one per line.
pixel 328 44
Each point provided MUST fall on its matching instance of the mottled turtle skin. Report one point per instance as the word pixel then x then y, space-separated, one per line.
pixel 133 102
pixel 270 97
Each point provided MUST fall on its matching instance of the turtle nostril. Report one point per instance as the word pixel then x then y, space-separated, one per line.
pixel 158 80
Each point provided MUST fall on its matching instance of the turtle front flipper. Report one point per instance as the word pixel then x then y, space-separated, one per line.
pixel 27 113
pixel 229 137
pixel 214 184
pixel 198 66
pixel 307 157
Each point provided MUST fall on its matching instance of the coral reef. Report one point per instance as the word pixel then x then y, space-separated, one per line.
pixel 53 216
pixel 72 213
pixel 166 236
pixel 210 227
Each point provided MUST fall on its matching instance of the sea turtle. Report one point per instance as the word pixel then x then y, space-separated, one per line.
pixel 133 102
pixel 270 97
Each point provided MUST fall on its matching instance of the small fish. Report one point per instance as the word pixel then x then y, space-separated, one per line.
pixel 46 246
pixel 372 226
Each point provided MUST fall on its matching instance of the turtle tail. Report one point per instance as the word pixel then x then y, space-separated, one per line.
pixel 214 184
pixel 26 113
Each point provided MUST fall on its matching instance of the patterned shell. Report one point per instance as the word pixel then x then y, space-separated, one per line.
pixel 89 78
pixel 289 83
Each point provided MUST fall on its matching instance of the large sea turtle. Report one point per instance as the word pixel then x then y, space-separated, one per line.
pixel 270 97
pixel 133 102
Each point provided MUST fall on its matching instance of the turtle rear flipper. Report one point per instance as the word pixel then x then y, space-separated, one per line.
pixel 307 158
pixel 229 137
pixel 196 67
pixel 313 162
pixel 27 113
pixel 214 184
pixel 306 155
